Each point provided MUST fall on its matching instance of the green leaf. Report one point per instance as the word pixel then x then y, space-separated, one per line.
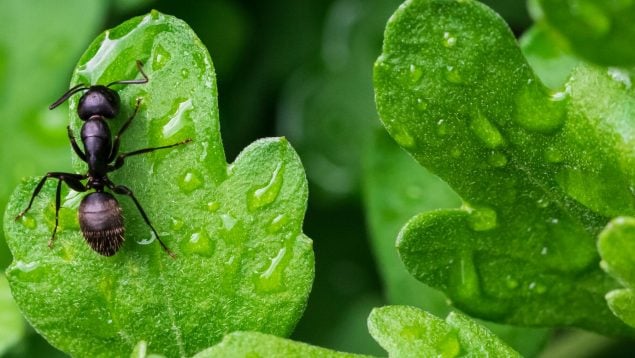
pixel 11 321
pixel 256 344
pixel 242 260
pixel 600 31
pixel 410 332
pixel 617 248
pixel 540 172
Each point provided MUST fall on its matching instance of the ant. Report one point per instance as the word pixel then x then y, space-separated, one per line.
pixel 99 214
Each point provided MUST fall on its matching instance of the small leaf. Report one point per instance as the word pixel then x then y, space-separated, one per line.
pixel 409 332
pixel 617 248
pixel 255 344
pixel 242 260
pixel 540 172
pixel 600 31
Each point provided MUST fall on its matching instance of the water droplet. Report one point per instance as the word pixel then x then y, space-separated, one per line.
pixel 422 104
pixel 28 221
pixel 271 279
pixel 543 203
pixel 453 75
pixel 544 251
pixel 482 219
pixel 160 57
pixel 448 40
pixel 26 266
pixel 553 155
pixel 442 128
pixel 486 131
pixel 199 244
pixel 620 75
pixel 539 111
pixel 510 282
pixel 464 277
pixel 26 271
pixel 263 195
pixel 497 160
pixel 228 221
pixel 190 181
pixel 554 221
pixel 277 223
pixel 176 224
pixel 178 120
pixel 415 73
pixel 213 206
pixel 403 138
pixel 151 238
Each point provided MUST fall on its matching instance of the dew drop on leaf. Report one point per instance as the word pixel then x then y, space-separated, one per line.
pixel 213 206
pixel 453 75
pixel 277 223
pixel 228 221
pixel 270 279
pixel 486 131
pixel 497 160
pixel 553 155
pixel 199 244
pixel 415 73
pixel 160 58
pixel 482 219
pixel 263 195
pixel 190 181
pixel 448 39
pixel 28 221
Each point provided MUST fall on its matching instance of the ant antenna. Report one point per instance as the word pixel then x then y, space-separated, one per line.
pixel 132 82
pixel 70 92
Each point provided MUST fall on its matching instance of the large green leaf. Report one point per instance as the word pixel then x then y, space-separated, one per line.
pixel 540 172
pixel 242 262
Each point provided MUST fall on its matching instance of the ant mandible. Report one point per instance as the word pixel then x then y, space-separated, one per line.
pixel 99 214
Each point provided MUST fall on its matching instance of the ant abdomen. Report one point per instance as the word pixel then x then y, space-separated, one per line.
pixel 101 222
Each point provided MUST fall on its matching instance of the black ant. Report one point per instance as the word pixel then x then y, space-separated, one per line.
pixel 99 212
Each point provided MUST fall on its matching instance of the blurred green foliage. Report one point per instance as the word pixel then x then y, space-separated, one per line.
pixel 296 68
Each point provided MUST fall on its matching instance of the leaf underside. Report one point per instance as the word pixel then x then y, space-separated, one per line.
pixel 242 261
pixel 540 172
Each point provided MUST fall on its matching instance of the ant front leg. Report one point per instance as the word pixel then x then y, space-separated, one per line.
pixel 117 141
pixel 72 180
pixel 124 190
pixel 120 158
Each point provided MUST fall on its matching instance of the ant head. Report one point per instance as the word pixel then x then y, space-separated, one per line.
pixel 98 101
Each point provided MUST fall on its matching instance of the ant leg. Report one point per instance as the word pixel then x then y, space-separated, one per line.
pixel 123 190
pixel 120 158
pixel 132 82
pixel 117 140
pixel 78 151
pixel 72 180
pixel 75 184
